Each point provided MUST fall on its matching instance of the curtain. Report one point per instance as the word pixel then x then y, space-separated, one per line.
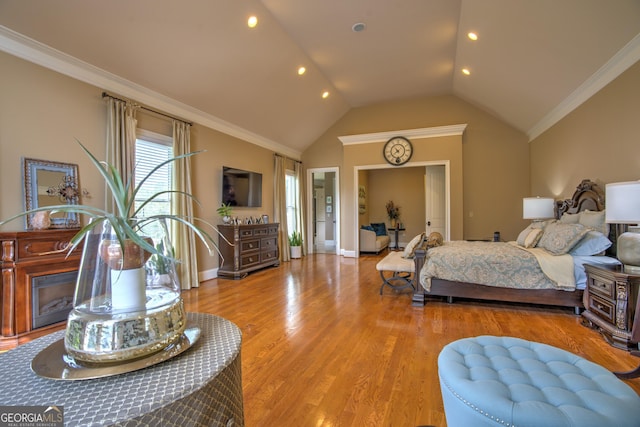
pixel 121 140
pixel 299 174
pixel 280 206
pixel 182 237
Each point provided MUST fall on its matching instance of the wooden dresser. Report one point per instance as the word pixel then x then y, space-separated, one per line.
pixel 610 301
pixel 253 247
pixel 26 261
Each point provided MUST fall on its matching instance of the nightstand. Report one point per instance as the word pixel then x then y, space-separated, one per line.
pixel 610 301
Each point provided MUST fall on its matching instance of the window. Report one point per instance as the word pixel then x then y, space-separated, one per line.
pixel 292 201
pixel 151 150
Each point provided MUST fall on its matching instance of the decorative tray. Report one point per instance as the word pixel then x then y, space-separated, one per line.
pixel 54 363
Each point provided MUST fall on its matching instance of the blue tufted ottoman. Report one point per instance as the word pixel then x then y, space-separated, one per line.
pixel 502 381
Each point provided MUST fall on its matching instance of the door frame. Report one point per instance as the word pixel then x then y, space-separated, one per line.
pixel 447 172
pixel 309 208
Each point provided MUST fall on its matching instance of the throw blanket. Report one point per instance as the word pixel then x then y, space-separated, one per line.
pixel 494 264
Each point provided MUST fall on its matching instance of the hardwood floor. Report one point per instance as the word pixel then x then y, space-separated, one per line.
pixel 321 347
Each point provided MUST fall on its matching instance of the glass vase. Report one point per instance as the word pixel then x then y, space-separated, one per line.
pixel 127 303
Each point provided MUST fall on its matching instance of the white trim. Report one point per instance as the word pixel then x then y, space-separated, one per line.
pixel 32 50
pixel 619 63
pixel 432 132
pixel 336 211
pixel 207 275
pixel 155 137
pixel 356 169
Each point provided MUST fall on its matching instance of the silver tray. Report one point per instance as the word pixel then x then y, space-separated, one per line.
pixel 54 363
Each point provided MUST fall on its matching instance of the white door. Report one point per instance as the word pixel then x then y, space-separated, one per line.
pixel 435 186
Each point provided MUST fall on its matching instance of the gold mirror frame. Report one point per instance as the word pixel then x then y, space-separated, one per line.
pixel 49 183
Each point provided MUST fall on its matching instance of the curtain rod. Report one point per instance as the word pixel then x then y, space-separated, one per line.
pixel 151 110
pixel 288 158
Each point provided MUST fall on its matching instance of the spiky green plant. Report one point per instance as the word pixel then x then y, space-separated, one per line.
pixel 124 221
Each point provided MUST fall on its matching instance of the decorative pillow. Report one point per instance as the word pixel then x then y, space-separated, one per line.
pixel 380 228
pixel 568 218
pixel 559 238
pixel 410 250
pixel 593 243
pixel 536 225
pixel 367 227
pixel 529 237
pixel 595 221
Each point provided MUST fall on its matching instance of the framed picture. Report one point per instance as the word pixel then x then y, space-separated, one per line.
pixel 329 199
pixel 329 209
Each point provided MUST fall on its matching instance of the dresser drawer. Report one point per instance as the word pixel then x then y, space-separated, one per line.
pixel 245 232
pixel 269 255
pixel 249 245
pixel 601 286
pixel 269 243
pixel 602 308
pixel 247 260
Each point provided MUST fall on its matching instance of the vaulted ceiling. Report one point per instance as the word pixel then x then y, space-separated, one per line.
pixel 533 61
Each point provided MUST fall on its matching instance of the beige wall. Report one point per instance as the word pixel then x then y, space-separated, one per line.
pixel 599 140
pixel 385 184
pixel 495 160
pixel 43 112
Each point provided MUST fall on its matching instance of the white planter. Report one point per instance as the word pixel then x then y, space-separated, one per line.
pixel 296 251
pixel 128 289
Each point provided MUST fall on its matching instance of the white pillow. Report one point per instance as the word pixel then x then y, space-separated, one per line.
pixel 559 238
pixel 412 245
pixel 594 220
pixel 593 243
pixel 568 218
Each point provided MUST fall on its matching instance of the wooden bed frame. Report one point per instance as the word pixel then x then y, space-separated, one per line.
pixel 588 196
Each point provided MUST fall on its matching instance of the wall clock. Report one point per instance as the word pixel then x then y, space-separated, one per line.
pixel 398 150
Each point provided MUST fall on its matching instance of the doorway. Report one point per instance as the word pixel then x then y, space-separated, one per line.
pixel 323 228
pixel 432 213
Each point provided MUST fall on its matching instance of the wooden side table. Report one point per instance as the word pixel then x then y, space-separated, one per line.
pixel 610 300
pixel 396 230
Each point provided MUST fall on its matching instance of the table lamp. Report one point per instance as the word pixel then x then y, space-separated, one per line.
pixel 538 208
pixel 623 207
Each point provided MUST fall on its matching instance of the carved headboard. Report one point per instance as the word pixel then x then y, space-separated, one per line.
pixel 588 196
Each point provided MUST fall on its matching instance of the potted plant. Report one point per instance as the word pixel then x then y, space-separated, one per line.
pixel 119 313
pixel 295 244
pixel 225 210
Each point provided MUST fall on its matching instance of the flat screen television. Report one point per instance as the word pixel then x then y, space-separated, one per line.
pixel 241 187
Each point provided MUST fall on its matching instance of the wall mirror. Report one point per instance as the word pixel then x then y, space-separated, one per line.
pixel 51 183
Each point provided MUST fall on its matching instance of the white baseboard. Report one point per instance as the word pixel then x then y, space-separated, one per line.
pixel 207 275
pixel 348 254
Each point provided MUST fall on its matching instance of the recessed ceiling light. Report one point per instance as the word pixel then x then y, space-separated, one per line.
pixel 472 35
pixel 358 27
pixel 466 71
pixel 325 94
pixel 252 21
pixel 301 71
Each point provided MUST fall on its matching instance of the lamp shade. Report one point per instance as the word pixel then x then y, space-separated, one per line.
pixel 623 202
pixel 537 207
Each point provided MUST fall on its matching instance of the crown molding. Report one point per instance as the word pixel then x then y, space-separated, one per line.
pixel 38 53
pixel 619 63
pixel 433 132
